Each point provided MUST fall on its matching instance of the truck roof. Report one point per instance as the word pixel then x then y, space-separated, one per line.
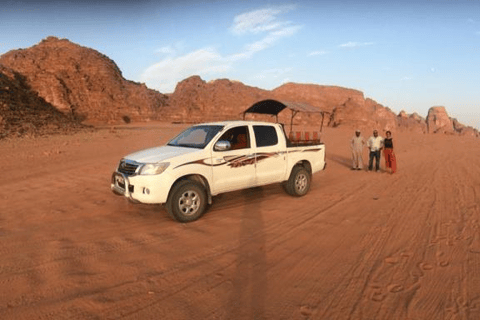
pixel 237 122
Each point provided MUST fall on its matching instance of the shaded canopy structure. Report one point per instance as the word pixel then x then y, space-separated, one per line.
pixel 274 107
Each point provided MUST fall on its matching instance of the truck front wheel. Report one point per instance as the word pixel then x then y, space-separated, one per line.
pixel 298 183
pixel 187 201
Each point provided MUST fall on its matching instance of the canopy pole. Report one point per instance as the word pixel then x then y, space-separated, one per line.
pixel 321 125
pixel 291 122
pixel 294 113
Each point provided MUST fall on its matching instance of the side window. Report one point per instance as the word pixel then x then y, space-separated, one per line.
pixel 238 138
pixel 265 136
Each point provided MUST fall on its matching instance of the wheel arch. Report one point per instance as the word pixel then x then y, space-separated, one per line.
pixel 303 163
pixel 194 177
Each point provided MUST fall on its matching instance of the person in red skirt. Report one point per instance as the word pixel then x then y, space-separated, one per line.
pixel 390 161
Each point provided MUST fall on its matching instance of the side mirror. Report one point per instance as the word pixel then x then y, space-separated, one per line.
pixel 222 145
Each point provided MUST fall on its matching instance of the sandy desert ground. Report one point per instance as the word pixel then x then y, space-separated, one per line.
pixel 360 245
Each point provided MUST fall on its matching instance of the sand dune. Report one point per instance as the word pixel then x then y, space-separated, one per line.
pixel 360 245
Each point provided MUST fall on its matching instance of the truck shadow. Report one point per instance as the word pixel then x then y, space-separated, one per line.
pixel 247 298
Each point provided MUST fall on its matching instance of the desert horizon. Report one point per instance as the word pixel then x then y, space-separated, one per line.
pixel 56 85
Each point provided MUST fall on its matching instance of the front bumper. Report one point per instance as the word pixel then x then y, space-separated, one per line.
pixel 151 189
pixel 121 186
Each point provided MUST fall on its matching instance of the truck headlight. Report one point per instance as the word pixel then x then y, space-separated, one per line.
pixel 154 168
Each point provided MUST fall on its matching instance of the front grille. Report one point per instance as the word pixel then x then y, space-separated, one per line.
pixel 127 168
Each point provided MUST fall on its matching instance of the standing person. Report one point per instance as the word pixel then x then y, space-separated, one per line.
pixel 375 144
pixel 357 145
pixel 390 160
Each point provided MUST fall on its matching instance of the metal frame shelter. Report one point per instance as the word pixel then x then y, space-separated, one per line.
pixel 274 107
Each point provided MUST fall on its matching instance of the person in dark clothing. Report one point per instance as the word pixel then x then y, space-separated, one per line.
pixel 390 160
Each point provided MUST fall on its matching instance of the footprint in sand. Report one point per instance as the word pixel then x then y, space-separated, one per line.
pixel 391 260
pixel 425 266
pixel 378 296
pixel 306 310
pixel 394 288
pixel 440 261
pixel 443 263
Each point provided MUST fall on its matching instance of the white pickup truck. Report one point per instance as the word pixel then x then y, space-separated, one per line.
pixel 213 158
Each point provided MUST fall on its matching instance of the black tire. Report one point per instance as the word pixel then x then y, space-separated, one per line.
pixel 298 183
pixel 187 201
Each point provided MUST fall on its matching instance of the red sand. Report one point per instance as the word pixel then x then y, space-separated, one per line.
pixel 360 245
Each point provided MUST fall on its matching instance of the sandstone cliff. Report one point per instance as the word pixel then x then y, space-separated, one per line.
pixel 83 83
pixel 24 113
pixel 413 122
pixel 195 100
pixel 324 97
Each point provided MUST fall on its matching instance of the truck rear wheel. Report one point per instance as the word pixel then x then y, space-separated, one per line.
pixel 298 183
pixel 187 201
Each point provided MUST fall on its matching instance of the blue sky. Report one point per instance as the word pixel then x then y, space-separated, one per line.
pixel 408 55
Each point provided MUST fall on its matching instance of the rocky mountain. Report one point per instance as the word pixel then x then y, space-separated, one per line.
pixel 195 100
pixel 87 86
pixel 24 113
pixel 363 114
pixel 83 83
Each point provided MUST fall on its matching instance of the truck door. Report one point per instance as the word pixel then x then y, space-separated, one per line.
pixel 234 169
pixel 270 155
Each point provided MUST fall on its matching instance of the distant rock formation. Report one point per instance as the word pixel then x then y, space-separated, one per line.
pixel 83 83
pixel 413 122
pixel 438 121
pixel 24 113
pixel 352 113
pixel 363 114
pixel 464 130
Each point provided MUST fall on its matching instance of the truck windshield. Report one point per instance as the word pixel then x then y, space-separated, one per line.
pixel 195 137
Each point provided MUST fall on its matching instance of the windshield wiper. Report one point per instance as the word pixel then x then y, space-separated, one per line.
pixel 186 145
